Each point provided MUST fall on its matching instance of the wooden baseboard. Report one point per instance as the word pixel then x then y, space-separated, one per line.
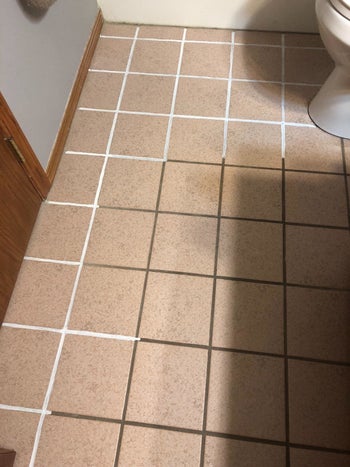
pixel 58 147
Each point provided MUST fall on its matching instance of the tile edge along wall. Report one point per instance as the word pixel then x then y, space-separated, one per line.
pixel 269 15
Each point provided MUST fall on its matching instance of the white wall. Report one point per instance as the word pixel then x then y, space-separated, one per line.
pixel 39 58
pixel 277 15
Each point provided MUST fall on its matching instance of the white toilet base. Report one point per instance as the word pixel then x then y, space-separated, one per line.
pixel 330 108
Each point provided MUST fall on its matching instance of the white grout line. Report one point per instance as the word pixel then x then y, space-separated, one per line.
pixel 16 408
pixel 189 41
pixel 176 85
pixel 283 128
pixel 194 117
pixel 49 260
pixel 228 98
pixel 136 112
pixel 136 158
pixel 216 78
pixel 66 203
pixel 70 307
pixel 90 109
pixel 84 153
pixel 72 332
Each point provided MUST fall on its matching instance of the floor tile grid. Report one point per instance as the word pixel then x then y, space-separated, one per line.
pixel 132 364
pixel 211 325
pixel 78 263
pixel 80 267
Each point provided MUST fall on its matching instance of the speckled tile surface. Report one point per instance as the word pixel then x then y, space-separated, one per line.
pixel 185 296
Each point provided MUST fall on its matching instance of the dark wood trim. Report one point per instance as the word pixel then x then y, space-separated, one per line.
pixel 7 457
pixel 57 150
pixel 31 166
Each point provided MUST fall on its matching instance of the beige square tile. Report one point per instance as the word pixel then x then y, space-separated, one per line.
pixel 251 250
pixel 168 385
pixel 27 358
pixel 184 243
pixel 120 238
pixel 59 232
pixel 312 458
pixel 18 434
pixel 297 100
pixel 210 35
pixel 108 300
pixel 316 199
pixel 318 256
pixel 177 308
pixel 77 179
pixel 221 452
pixel 119 30
pixel 200 96
pixel 156 57
pixel 196 140
pixel 71 441
pixel 144 93
pixel 257 37
pixel 192 188
pixel 254 144
pixel 101 90
pixel 303 40
pixel 162 448
pixel 318 324
pixel 89 131
pixel 131 184
pixel 111 54
pixel 140 135
pixel 206 60
pixel 312 149
pixel 256 101
pixel 319 408
pixel 252 193
pixel 161 32
pixel 257 62
pixel 42 294
pixel 92 377
pixel 246 395
pixel 310 66
pixel 248 316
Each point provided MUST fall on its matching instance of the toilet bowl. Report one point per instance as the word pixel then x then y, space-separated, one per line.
pixel 330 108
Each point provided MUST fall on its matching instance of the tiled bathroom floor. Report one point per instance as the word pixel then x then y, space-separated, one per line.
pixel 184 300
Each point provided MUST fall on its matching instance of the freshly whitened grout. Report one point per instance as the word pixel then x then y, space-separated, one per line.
pixel 172 110
pixel 228 98
pixel 84 153
pixel 16 408
pixel 66 203
pixel 136 158
pixel 73 332
pixel 76 282
pixel 49 260
pixel 136 112
pixel 90 109
pixel 216 78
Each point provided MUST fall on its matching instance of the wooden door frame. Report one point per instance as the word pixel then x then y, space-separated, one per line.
pixel 31 164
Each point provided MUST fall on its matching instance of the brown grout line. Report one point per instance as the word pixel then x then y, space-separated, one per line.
pixel 284 260
pixel 214 434
pixel 347 192
pixel 239 218
pixel 228 278
pixel 133 358
pixel 211 325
